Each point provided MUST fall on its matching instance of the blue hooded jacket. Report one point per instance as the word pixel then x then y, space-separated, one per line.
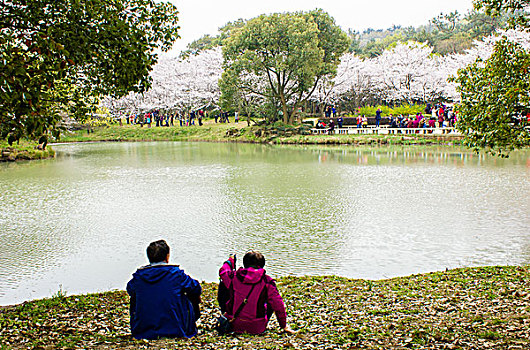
pixel 159 303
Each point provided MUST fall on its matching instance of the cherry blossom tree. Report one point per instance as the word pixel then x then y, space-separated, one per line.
pixel 181 84
pixel 406 73
pixel 482 50
pixel 352 86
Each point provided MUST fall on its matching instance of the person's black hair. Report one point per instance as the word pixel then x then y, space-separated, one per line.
pixel 254 259
pixel 157 251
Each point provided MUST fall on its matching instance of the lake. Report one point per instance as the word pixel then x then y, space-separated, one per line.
pixel 81 222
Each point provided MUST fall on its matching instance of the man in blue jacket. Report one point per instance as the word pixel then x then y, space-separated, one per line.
pixel 164 300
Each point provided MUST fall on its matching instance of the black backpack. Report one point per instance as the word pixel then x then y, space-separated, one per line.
pixel 223 296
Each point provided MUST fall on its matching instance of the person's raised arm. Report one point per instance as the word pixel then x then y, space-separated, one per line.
pixel 226 271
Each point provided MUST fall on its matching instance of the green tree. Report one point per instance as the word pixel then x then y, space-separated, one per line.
pixel 495 93
pixel 517 9
pixel 354 41
pixel 57 57
pixel 478 24
pixel 287 53
pixel 496 99
pixel 446 23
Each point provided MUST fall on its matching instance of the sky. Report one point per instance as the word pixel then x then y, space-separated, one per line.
pixel 200 17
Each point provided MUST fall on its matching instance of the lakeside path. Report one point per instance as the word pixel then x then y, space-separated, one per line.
pixel 467 308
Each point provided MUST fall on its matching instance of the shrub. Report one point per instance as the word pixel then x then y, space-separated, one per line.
pixel 404 109
pixel 408 109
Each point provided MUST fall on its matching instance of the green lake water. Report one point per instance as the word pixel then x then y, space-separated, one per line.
pixel 82 221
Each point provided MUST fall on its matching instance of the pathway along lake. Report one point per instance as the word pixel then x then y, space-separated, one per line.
pixel 82 221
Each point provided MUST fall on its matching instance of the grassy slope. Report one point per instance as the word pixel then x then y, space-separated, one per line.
pixel 478 308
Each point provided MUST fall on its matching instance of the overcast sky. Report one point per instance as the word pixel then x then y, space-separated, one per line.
pixel 199 17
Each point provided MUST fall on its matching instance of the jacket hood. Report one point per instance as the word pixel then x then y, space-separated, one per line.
pixel 250 274
pixel 152 274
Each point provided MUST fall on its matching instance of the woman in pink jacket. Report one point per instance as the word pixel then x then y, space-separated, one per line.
pixel 252 283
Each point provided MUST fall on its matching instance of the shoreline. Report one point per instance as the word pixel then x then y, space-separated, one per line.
pixel 25 150
pixel 480 307
pixel 243 134
pixel 220 133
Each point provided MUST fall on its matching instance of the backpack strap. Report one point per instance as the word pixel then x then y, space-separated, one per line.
pixel 245 301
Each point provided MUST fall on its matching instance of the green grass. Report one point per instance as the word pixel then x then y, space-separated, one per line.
pixel 450 309
pixel 23 150
pixel 137 133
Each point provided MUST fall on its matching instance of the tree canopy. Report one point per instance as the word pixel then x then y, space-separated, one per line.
pixel 281 57
pixel 517 8
pixel 496 99
pixel 58 57
pixel 495 92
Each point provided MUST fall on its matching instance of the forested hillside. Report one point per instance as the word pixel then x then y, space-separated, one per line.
pixel 447 33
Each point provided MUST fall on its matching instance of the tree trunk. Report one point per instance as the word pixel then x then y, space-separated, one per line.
pixel 284 108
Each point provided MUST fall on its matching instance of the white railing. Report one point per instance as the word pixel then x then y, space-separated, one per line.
pixel 387 131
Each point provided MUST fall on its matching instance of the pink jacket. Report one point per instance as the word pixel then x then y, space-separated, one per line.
pixel 253 317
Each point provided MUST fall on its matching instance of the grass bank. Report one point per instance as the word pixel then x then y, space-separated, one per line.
pixel 24 150
pixel 468 308
pixel 213 132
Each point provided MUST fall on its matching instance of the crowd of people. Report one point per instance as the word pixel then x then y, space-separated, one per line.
pixel 160 119
pixel 439 116
pixel 223 117
pixel 435 116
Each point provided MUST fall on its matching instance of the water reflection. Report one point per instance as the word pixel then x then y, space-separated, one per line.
pixel 84 219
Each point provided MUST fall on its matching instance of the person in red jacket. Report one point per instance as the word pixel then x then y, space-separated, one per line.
pixel 259 289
